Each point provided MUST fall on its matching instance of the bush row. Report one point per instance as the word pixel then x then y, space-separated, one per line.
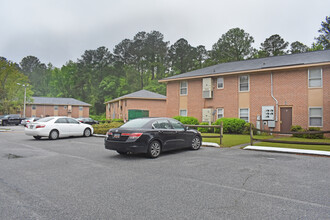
pixel 104 127
pixel 298 128
pixel 230 125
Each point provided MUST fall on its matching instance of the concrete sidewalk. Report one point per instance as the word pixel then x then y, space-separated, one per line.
pixel 288 150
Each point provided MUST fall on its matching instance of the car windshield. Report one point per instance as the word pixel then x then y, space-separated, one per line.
pixel 136 123
pixel 45 119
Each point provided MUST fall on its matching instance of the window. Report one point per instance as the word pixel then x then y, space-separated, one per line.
pixel 244 83
pixel 55 107
pixel 315 77
pixel 183 88
pixel 177 125
pixel 244 114
pixel 220 84
pixel 65 107
pixel 220 113
pixel 162 124
pixel 34 107
pixel 183 112
pixel 316 117
pixel 72 121
pixel 80 108
pixel 61 121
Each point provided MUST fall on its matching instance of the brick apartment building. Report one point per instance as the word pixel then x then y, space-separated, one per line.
pixel 273 92
pixel 49 106
pixel 148 103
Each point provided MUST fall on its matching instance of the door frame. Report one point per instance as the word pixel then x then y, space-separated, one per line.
pixel 280 116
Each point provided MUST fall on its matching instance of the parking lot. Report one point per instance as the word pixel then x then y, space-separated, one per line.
pixel 76 178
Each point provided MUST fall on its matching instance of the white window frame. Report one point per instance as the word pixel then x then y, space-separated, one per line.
pixel 239 83
pixel 223 82
pixel 248 114
pixel 183 110
pixel 223 112
pixel 319 116
pixel 181 87
pixel 56 107
pixel 309 78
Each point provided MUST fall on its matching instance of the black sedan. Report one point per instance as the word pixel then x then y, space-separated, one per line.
pixel 89 121
pixel 152 136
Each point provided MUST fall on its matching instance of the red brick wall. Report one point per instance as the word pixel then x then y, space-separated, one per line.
pixel 172 98
pixel 290 88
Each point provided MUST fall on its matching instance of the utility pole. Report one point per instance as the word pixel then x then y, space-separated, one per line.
pixel 24 85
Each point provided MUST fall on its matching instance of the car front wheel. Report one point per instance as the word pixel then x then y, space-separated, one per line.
pixel 53 135
pixel 196 143
pixel 87 132
pixel 154 149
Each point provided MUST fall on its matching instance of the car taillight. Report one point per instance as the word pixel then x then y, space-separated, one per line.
pixel 132 136
pixel 40 126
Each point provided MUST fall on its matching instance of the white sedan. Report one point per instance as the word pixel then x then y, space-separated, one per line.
pixel 55 127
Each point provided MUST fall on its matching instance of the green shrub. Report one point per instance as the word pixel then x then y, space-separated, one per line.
pixel 204 130
pixel 314 136
pixel 103 128
pixel 297 128
pixel 187 120
pixel 98 117
pixel 117 120
pixel 247 129
pixel 231 125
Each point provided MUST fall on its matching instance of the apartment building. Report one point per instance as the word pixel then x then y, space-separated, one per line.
pixel 273 92
pixel 51 106
pixel 142 103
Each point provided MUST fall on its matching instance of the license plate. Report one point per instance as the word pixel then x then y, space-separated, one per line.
pixel 116 136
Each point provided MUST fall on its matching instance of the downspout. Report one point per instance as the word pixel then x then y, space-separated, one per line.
pixel 271 93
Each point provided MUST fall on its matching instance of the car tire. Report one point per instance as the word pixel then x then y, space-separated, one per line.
pixel 196 143
pixel 87 132
pixel 53 135
pixel 37 137
pixel 121 152
pixel 154 149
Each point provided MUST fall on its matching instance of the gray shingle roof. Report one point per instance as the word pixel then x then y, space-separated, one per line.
pixel 57 101
pixel 258 64
pixel 143 94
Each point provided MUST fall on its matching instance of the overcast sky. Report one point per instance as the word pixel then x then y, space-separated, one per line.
pixel 57 31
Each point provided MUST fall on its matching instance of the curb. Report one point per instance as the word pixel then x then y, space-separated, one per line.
pixel 288 150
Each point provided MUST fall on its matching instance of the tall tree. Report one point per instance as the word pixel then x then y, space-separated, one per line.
pixel 12 94
pixel 234 45
pixel 274 45
pixel 202 55
pixel 181 55
pixel 38 73
pixel 298 47
pixel 324 38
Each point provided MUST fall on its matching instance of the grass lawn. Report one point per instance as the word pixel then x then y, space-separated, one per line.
pixel 230 140
pixel 296 146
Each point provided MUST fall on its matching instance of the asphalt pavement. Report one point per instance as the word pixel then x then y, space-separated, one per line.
pixel 76 178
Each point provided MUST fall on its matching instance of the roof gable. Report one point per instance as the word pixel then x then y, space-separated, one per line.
pixel 142 94
pixel 57 101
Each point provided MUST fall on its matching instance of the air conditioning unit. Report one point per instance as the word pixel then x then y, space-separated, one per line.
pixel 208 94
pixel 207 115
pixel 207 88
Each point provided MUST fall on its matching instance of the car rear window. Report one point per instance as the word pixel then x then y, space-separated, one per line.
pixel 45 119
pixel 136 123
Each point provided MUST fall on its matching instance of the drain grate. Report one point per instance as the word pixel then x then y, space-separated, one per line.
pixel 13 156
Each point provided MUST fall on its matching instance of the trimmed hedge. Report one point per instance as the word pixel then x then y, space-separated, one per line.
pixel 298 128
pixel 205 130
pixel 230 125
pixel 187 120
pixel 103 128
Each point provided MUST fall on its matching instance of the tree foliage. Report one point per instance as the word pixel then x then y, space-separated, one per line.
pixel 298 47
pixel 234 45
pixel 324 37
pixel 274 45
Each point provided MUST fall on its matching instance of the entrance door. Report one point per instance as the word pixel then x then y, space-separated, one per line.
pixel 286 119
